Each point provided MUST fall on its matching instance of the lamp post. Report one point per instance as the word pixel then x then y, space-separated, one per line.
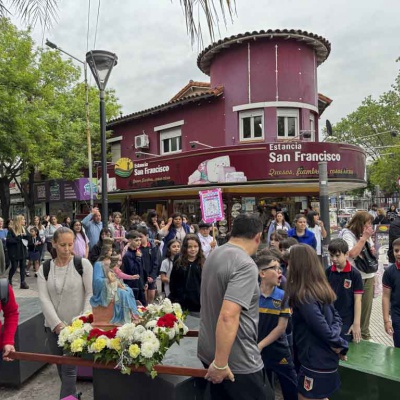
pixel 89 141
pixel 101 64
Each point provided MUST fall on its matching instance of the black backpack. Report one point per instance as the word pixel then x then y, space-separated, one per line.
pixel 77 264
pixel 3 291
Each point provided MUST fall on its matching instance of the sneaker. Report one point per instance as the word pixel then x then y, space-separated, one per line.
pixel 27 273
pixel 24 285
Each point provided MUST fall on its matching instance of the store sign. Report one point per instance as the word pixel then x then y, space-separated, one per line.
pixel 271 162
pixel 65 190
pixel 212 208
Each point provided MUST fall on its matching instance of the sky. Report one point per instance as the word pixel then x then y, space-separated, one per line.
pixel 156 58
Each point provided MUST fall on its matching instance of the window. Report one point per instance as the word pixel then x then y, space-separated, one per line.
pixel 312 127
pixel 171 141
pixel 115 151
pixel 251 125
pixel 115 148
pixel 288 123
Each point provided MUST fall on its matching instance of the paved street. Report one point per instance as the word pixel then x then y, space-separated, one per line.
pixel 45 384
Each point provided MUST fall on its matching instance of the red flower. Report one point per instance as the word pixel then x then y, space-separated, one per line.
pixel 87 319
pixel 96 332
pixel 167 321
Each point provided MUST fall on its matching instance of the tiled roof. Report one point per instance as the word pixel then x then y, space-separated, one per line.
pixel 211 92
pixel 191 86
pixel 323 103
pixel 322 46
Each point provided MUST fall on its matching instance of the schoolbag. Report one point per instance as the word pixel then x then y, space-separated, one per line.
pixel 77 264
pixel 3 291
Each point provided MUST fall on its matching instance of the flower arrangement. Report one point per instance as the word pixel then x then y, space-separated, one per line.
pixel 142 343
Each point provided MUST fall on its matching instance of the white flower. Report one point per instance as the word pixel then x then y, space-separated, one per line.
pixel 171 333
pixel 180 325
pixel 126 332
pixel 159 329
pixel 177 308
pixel 137 333
pixel 63 337
pixel 148 336
pixel 87 328
pixel 151 324
pixel 167 306
pixel 148 348
pixel 153 308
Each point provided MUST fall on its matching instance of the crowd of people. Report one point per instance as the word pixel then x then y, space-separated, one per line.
pixel 266 304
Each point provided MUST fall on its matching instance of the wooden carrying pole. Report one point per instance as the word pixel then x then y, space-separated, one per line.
pixel 81 362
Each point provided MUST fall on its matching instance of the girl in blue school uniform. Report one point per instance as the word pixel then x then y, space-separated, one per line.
pixel 316 325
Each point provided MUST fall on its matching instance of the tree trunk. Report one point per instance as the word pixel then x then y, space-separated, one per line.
pixel 5 197
pixel 27 191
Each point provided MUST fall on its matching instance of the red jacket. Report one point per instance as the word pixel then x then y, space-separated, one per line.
pixel 11 314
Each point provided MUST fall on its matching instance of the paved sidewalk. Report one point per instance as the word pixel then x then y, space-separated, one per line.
pixel 45 384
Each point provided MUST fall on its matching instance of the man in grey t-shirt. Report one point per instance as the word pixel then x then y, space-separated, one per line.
pixel 228 331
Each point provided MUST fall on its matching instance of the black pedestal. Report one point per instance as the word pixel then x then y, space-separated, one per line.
pixel 111 385
pixel 30 337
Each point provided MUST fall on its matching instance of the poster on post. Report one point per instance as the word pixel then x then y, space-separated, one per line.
pixel 212 209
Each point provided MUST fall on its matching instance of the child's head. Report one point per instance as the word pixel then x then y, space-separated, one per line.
pixel 338 252
pixel 396 249
pixel 191 250
pixel 269 269
pixel 34 231
pixel 134 239
pixel 306 279
pixel 173 248
pixel 143 234
pixel 282 233
pixel 275 239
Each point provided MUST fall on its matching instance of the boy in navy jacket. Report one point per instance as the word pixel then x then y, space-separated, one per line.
pixel 151 262
pixel 132 264
pixel 274 316
pixel 391 296
pixel 347 283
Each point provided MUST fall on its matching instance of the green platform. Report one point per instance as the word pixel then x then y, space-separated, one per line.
pixel 372 372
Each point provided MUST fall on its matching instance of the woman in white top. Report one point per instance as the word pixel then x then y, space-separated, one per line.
pixel 357 232
pixel 51 227
pixel 63 295
pixel 278 223
pixel 314 224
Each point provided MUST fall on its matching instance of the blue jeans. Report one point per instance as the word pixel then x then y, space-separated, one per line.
pixel 67 373
pixel 396 332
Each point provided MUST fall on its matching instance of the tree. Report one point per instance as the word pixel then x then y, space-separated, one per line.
pixel 42 114
pixel 375 126
pixel 45 12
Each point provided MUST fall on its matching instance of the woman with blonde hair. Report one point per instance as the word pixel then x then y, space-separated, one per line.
pixel 358 234
pixel 17 247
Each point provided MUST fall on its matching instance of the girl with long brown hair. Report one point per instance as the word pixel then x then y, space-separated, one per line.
pixel 316 324
pixel 185 280
pixel 17 246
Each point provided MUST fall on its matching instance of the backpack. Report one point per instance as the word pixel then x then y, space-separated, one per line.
pixel 77 264
pixel 3 291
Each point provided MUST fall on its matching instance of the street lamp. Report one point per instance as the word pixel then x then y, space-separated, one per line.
pixel 101 64
pixel 89 141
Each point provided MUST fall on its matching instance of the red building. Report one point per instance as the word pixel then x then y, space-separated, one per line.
pixel 252 130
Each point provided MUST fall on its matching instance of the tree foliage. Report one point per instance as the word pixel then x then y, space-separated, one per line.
pixel 375 126
pixel 42 112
